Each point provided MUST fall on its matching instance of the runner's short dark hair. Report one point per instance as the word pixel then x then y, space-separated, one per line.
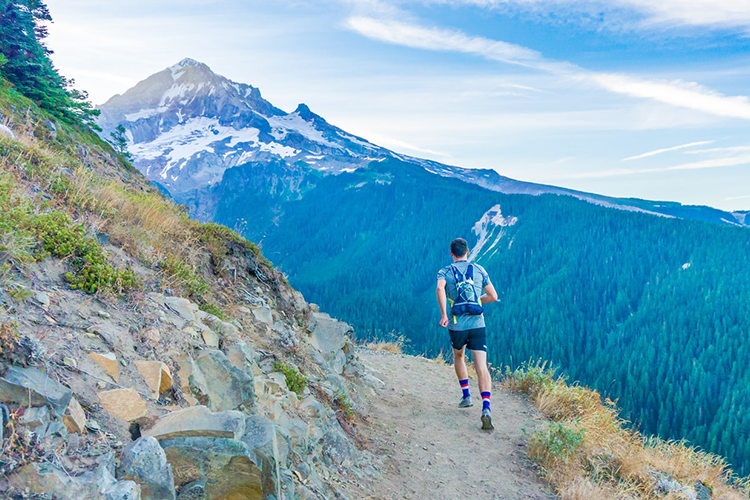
pixel 459 247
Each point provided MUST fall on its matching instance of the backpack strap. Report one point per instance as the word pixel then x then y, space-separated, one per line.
pixel 457 274
pixel 470 273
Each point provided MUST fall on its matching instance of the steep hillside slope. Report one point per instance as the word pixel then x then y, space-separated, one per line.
pixel 147 356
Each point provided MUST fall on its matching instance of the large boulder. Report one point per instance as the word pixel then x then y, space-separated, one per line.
pixel 224 466
pixel 245 468
pixel 144 462
pixel 328 334
pixel 32 387
pixel 227 387
pixel 198 421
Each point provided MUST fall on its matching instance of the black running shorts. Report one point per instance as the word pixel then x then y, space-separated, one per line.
pixel 475 339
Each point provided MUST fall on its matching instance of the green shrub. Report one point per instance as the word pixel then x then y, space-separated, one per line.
pixel 92 272
pixel 213 309
pixel 343 406
pixel 556 442
pixel 18 292
pixel 295 381
pixel 184 275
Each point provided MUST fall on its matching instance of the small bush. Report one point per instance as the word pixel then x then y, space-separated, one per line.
pixel 557 442
pixel 343 406
pixel 213 309
pixel 92 272
pixel 295 381
pixel 8 336
pixel 18 292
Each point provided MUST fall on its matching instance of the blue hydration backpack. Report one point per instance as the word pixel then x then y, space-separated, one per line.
pixel 467 302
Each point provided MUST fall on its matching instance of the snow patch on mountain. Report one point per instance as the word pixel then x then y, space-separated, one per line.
pixel 489 230
pixel 293 121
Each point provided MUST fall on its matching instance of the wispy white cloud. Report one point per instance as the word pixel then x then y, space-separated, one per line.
pixel 633 13
pixel 418 37
pixel 682 94
pixel 734 198
pixel 399 145
pixel 685 95
pixel 667 150
pixel 727 149
pixel 698 165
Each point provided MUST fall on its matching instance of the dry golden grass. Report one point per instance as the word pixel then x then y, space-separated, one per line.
pixel 590 453
pixel 392 347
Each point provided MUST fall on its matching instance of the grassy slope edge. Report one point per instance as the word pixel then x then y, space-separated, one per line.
pixel 589 453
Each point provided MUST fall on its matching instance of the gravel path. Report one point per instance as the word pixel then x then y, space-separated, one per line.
pixel 430 449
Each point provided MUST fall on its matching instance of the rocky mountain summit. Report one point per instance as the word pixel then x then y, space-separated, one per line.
pixel 186 125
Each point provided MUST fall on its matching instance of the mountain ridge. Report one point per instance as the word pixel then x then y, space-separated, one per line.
pixel 186 126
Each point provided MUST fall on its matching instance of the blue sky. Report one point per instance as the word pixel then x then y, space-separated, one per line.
pixel 618 97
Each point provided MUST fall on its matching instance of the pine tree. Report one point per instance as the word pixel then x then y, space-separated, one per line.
pixel 119 142
pixel 28 66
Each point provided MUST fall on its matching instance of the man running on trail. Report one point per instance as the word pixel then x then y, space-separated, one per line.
pixel 462 284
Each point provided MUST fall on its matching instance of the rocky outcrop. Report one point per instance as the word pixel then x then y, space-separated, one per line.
pixel 33 387
pixel 144 462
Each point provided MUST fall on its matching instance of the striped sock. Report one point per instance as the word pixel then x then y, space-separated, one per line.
pixel 465 387
pixel 485 400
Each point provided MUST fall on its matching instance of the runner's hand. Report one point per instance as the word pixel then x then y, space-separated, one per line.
pixel 444 321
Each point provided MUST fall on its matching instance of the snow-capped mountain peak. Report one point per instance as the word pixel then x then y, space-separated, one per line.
pixel 186 125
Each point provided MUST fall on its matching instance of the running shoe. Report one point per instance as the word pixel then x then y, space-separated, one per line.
pixel 487 420
pixel 465 402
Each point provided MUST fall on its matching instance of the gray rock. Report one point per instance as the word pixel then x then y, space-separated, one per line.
pixel 241 357
pixel 261 438
pixel 198 421
pixel 183 307
pixel 44 478
pixel 338 362
pixel 702 493
pixel 328 334
pixel 42 298
pixel 6 132
pixel 337 450
pixel 227 387
pixel 263 314
pixel 33 387
pixel 144 462
pixel 123 490
pixel 34 417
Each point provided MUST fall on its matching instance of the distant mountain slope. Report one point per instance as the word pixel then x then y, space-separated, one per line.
pixel 187 125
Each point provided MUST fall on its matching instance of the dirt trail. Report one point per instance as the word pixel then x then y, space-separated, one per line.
pixel 430 449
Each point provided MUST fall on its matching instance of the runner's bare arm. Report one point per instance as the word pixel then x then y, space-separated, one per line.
pixel 441 300
pixel 490 295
